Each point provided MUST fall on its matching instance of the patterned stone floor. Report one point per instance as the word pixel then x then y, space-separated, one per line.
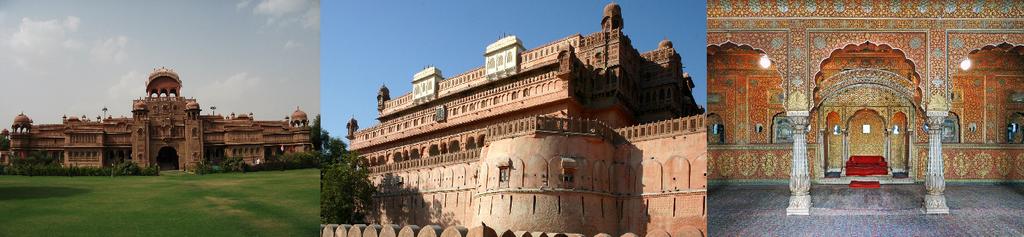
pixel 893 210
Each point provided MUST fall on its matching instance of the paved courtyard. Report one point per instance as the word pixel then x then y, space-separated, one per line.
pixel 893 210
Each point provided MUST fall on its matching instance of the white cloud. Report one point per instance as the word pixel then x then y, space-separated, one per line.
pixel 242 4
pixel 311 20
pixel 280 7
pixel 291 44
pixel 305 13
pixel 72 23
pixel 43 41
pixel 110 50
pixel 230 89
pixel 130 85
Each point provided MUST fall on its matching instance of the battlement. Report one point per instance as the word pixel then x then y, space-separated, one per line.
pixel 665 128
pixel 542 124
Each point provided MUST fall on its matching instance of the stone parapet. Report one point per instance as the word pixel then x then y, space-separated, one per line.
pixel 665 128
pixel 462 156
pixel 541 124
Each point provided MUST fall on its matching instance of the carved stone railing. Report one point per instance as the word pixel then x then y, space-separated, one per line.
pixel 442 159
pixel 658 55
pixel 665 128
pixel 540 124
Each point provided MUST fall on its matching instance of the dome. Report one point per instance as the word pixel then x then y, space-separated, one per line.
pixel 139 105
pixel 612 9
pixel 73 118
pixel 22 118
pixel 665 44
pixel 192 105
pixel 299 115
pixel 163 82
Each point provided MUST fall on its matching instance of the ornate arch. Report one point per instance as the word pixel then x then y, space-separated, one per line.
pixel 867 46
pixel 890 81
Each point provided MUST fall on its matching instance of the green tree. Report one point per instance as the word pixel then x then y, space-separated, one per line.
pixel 345 187
pixel 317 134
pixel 5 143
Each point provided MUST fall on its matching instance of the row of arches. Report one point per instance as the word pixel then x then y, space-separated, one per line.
pixel 481 100
pixel 163 93
pixel 428 149
pixel 509 96
pixel 649 176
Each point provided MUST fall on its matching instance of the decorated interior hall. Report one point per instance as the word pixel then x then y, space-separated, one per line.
pixel 828 116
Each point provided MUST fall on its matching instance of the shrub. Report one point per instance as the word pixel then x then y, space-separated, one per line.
pixel 126 168
pixel 152 170
pixel 234 164
pixel 290 161
pixel 38 164
pixel 204 168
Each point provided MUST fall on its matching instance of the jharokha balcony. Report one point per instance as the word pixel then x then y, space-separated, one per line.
pixel 541 124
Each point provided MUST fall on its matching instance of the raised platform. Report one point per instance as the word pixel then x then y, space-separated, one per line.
pixel 882 179
pixel 866 165
pixel 864 184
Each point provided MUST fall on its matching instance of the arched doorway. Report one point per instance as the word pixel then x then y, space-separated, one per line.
pixel 867 138
pixel 866 97
pixel 167 158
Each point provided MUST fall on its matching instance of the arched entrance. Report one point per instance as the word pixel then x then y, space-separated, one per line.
pixel 865 98
pixel 866 139
pixel 167 158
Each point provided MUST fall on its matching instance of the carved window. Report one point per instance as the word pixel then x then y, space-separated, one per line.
pixel 569 178
pixel 951 129
pixel 440 113
pixel 716 131
pixel 504 175
pixel 782 129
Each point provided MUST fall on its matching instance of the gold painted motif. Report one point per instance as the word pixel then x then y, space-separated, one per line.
pixel 749 164
pixel 769 164
pixel 983 164
pixel 960 164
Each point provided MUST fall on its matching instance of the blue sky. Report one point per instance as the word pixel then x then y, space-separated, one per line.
pixel 69 57
pixel 368 43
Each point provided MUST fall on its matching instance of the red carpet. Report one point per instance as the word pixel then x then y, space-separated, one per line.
pixel 865 184
pixel 866 165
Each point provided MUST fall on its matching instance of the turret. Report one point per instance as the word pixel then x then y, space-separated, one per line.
pixel 383 95
pixel 612 19
pixel 352 126
pixel 22 124
pixel 192 110
pixel 299 118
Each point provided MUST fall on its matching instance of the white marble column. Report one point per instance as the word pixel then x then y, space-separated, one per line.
pixel 799 179
pixel 935 181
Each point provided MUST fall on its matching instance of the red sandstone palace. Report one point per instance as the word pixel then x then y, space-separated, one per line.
pixel 584 134
pixel 165 129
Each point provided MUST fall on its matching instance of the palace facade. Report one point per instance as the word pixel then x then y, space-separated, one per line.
pixel 584 134
pixel 165 129
pixel 934 89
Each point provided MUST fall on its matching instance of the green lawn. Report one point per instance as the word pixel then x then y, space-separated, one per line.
pixel 269 203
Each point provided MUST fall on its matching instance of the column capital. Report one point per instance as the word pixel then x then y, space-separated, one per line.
pixel 935 122
pixel 796 113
